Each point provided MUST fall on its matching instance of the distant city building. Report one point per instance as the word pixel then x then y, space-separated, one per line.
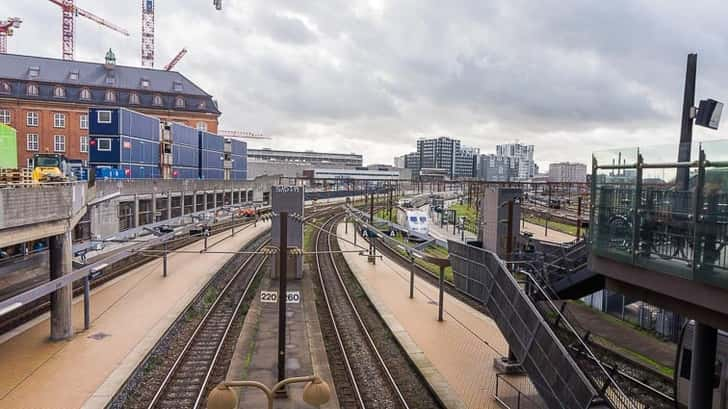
pixel 447 154
pixel 494 168
pixel 358 174
pixel 412 162
pixel 399 161
pixel 293 163
pixel 523 154
pixel 567 172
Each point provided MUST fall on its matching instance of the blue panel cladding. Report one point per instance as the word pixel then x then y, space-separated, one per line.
pixel 211 142
pixel 96 156
pixel 124 122
pixel 239 147
pixel 141 171
pixel 239 174
pixel 135 150
pixel 240 162
pixel 185 156
pixel 184 135
pixel 182 172
pixel 211 159
pixel 212 173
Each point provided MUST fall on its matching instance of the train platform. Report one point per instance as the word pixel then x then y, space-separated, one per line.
pixel 255 356
pixel 128 314
pixel 460 349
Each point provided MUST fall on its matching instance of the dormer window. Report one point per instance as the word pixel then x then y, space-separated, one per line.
pixel 179 102
pixel 73 75
pixel 134 98
pixel 144 83
pixel 32 90
pixel 202 105
pixel 33 72
pixel 157 100
pixel 5 88
pixel 110 96
pixel 110 80
pixel 59 92
pixel 177 86
pixel 85 94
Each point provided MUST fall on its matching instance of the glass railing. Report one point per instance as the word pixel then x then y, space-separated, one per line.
pixel 654 212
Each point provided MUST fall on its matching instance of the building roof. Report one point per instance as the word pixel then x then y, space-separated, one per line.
pixel 43 69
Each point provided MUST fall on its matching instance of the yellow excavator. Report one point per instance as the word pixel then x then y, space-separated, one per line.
pixel 50 167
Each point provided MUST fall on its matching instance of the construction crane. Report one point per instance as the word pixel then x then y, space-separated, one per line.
pixel 6 30
pixel 69 13
pixel 176 59
pixel 147 33
pixel 242 134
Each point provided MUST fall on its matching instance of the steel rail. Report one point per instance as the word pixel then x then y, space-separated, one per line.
pixel 331 223
pixel 172 371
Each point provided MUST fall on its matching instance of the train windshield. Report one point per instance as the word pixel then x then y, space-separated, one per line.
pixel 413 219
pixel 423 219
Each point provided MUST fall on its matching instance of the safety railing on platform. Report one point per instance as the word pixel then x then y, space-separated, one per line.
pixel 658 214
pixel 512 396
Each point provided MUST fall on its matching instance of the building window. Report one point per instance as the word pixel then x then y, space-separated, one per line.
pixel 157 100
pixel 73 75
pixel 202 105
pixel 110 96
pixel 85 93
pixel 5 88
pixel 145 83
pixel 31 141
pixel 29 163
pixel 177 86
pixel 59 92
pixel 32 119
pixel 202 126
pixel 179 102
pixel 33 71
pixel 83 121
pixel 32 90
pixel 84 144
pixel 59 143
pixel 103 117
pixel 59 120
pixel 134 98
pixel 104 144
pixel 4 116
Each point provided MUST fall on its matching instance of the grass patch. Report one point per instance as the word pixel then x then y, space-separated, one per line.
pixel 210 296
pixel 553 225
pixel 645 360
pixel 433 250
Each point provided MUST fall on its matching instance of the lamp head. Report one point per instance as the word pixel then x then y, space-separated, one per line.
pixel 222 397
pixel 316 392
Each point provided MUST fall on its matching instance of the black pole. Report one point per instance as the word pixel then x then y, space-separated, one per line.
pixel 578 219
pixel 86 303
pixel 686 126
pixel 164 260
pixel 702 367
pixel 441 283
pixel 509 243
pixel 282 276
pixel 412 278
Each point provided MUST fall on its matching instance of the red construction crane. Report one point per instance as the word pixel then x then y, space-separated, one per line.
pixel 70 11
pixel 176 59
pixel 242 134
pixel 6 30
pixel 147 33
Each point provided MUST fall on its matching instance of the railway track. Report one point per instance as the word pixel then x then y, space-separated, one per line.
pixel 370 369
pixel 187 381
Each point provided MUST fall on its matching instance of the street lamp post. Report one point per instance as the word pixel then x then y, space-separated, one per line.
pixel 315 393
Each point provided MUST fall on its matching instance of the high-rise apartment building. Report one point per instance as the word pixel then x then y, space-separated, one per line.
pixel 446 154
pixel 523 154
pixel 494 168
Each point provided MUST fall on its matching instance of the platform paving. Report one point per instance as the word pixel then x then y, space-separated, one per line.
pixel 460 349
pixel 129 314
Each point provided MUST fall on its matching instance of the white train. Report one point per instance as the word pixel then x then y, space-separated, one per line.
pixel 414 220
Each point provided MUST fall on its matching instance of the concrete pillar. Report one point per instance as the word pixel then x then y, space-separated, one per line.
pixel 194 201
pixel 169 205
pixel 61 253
pixel 136 211
pixel 701 372
pixel 154 207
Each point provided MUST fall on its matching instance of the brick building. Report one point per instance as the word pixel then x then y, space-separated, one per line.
pixel 46 100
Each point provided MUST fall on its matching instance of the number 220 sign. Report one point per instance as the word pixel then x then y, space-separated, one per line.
pixel 292 297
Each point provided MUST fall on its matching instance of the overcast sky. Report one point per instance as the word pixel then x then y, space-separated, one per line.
pixel 569 76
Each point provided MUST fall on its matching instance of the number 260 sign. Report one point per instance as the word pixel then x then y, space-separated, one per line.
pixel 292 297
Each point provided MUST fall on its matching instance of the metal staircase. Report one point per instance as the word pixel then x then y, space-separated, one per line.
pixel 563 378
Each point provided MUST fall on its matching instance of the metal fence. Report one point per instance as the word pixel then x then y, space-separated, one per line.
pixel 556 376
